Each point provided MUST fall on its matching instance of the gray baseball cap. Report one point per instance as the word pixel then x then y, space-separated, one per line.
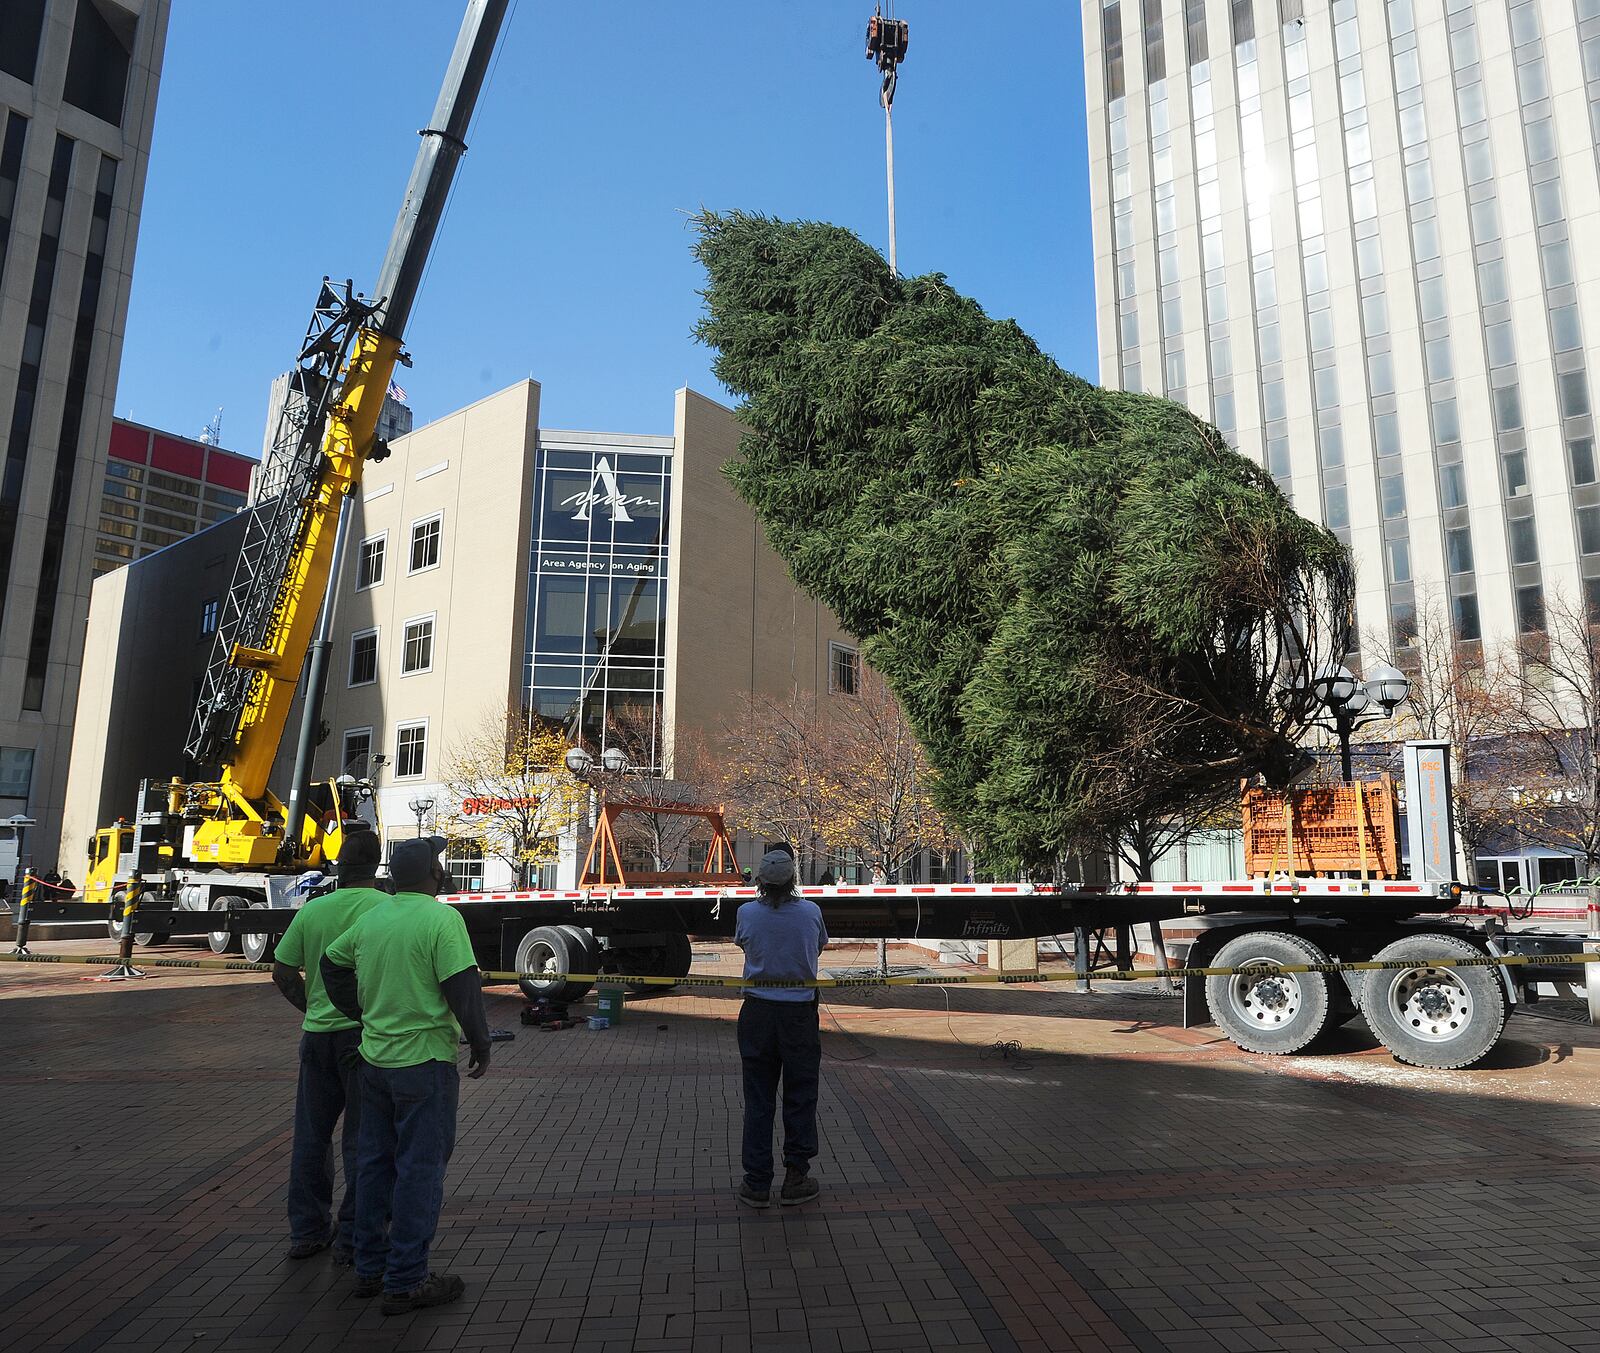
pixel 411 861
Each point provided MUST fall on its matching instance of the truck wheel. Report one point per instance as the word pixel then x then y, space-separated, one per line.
pixel 258 948
pixel 1273 1013
pixel 671 959
pixel 1446 1018
pixel 546 955
pixel 221 941
pixel 586 951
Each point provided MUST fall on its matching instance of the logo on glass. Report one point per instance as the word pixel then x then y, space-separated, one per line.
pixel 604 491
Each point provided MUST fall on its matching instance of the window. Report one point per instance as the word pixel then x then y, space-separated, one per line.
pixel 21 23
pixel 1524 541
pixel 357 759
pixel 364 658
pixel 1581 455
pixel 1514 464
pixel 97 66
pixel 416 654
pixel 209 610
pixel 1458 550
pixel 1530 609
pixel 1399 561
pixel 1573 391
pixel 411 750
pixel 425 544
pixel 1464 617
pixel 1392 496
pixel 844 670
pixel 464 860
pixel 369 562
pixel 1589 530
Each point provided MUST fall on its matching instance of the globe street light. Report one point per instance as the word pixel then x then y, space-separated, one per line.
pixel 1352 703
pixel 421 807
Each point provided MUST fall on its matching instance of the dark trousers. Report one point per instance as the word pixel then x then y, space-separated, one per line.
pixel 408 1130
pixel 779 1039
pixel 329 1086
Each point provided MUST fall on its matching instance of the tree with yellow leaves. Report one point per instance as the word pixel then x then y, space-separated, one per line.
pixel 509 791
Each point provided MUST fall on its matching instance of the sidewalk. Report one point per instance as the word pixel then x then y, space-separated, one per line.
pixel 1121 1184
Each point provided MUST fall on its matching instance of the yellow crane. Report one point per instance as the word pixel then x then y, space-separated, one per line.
pixel 227 840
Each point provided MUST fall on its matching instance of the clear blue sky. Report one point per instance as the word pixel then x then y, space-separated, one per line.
pixel 285 133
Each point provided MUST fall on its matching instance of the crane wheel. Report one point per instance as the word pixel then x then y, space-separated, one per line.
pixel 1271 1012
pixel 1444 1018
pixel 258 948
pixel 545 955
pixel 223 941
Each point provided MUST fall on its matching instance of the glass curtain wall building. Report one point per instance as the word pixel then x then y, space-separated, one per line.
pixel 1344 230
pixel 597 587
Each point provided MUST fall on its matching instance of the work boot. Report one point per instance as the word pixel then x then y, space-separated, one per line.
pixel 753 1197
pixel 436 1290
pixel 798 1187
pixel 304 1249
pixel 368 1287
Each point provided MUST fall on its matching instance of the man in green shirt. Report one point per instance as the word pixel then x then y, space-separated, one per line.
pixel 408 973
pixel 329 1066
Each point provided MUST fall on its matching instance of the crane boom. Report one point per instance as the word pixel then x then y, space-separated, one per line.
pixel 327 432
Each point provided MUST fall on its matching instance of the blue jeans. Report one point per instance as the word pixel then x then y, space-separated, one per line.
pixel 329 1086
pixel 779 1039
pixel 408 1130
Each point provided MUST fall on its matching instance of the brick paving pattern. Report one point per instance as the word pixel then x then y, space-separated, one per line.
pixel 1123 1184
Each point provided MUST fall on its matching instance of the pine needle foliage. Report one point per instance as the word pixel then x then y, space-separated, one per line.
pixel 1093 611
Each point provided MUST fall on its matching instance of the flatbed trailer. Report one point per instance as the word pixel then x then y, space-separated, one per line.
pixel 1427 1014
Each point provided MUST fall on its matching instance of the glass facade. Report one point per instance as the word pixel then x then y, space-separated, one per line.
pixel 1494 306
pixel 1208 208
pixel 1257 176
pixel 598 589
pixel 1121 199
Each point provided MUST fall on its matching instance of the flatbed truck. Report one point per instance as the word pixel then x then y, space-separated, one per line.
pixel 1427 1015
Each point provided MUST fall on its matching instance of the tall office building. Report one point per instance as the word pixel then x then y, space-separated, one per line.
pixel 161 488
pixel 78 82
pixel 1350 235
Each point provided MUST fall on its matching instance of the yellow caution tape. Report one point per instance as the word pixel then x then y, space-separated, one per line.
pixel 934 980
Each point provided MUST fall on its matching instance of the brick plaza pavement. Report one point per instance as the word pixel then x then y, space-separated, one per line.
pixel 1125 1185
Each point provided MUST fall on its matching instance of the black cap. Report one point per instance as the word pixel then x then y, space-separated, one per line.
pixel 411 861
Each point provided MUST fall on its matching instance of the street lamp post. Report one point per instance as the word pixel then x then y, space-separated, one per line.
pixel 586 768
pixel 1351 703
pixel 421 807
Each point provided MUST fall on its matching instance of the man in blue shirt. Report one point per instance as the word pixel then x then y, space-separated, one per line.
pixel 782 936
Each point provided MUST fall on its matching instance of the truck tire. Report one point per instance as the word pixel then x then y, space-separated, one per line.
pixel 258 948
pixel 672 959
pixel 1276 1013
pixel 586 955
pixel 222 941
pixel 1445 1018
pixel 551 953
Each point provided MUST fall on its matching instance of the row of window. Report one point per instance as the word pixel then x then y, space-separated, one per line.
pixel 410 751
pixel 426 537
pixel 97 62
pixel 416 651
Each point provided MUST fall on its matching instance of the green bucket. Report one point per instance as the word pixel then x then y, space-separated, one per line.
pixel 608 1005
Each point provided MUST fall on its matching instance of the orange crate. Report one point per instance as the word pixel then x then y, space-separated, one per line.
pixel 1328 823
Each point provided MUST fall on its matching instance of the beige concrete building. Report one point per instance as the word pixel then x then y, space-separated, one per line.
pixel 494 565
pixel 78 81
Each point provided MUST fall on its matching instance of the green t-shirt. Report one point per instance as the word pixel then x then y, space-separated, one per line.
pixel 401 952
pixel 314 927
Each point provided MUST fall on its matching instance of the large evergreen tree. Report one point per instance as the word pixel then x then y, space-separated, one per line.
pixel 1094 611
